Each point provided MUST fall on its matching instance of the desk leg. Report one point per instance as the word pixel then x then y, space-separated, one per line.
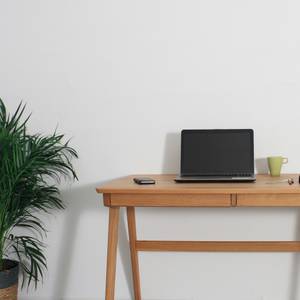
pixel 134 253
pixel 113 227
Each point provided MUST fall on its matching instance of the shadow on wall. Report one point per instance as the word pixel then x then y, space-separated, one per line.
pixel 294 281
pixel 171 158
pixel 261 165
pixel 79 201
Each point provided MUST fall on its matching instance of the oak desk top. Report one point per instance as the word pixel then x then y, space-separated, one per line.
pixel 165 184
pixel 266 191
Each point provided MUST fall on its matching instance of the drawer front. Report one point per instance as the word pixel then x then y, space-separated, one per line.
pixel 172 200
pixel 280 200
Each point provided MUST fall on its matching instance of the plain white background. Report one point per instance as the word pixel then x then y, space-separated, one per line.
pixel 122 78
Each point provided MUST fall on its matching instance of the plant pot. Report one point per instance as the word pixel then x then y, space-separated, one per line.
pixel 9 280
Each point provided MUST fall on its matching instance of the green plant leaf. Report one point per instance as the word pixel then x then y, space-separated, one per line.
pixel 31 165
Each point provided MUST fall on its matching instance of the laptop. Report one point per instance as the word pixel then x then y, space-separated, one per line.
pixel 217 155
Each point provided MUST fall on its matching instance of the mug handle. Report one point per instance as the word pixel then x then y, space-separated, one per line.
pixel 285 160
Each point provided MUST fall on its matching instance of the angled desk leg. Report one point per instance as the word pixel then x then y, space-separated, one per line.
pixel 134 253
pixel 113 227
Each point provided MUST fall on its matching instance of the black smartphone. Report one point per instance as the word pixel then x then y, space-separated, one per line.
pixel 144 180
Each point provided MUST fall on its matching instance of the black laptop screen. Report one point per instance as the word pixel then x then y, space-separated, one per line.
pixel 217 152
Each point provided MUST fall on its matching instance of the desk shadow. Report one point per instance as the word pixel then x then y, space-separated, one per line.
pixel 294 282
pixel 80 200
pixel 171 158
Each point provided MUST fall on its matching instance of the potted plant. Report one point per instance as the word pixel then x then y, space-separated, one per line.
pixel 31 166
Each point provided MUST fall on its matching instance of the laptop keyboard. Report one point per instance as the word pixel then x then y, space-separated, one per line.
pixel 228 175
pixel 238 175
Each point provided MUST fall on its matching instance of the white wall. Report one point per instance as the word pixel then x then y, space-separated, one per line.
pixel 123 78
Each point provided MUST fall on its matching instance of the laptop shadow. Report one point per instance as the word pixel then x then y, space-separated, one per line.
pixel 171 157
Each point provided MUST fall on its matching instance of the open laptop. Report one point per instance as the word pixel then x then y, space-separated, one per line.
pixel 217 155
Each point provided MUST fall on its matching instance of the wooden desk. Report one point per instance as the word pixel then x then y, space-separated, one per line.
pixel 123 192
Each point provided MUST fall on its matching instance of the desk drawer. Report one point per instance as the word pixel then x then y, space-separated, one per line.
pixel 268 200
pixel 172 200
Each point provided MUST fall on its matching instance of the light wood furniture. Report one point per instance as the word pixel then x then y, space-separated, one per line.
pixel 123 192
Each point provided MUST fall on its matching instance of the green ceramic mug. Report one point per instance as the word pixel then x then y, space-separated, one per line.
pixel 275 164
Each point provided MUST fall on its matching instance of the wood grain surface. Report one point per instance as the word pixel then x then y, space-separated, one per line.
pixel 165 184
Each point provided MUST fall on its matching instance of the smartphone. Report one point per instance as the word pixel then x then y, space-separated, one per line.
pixel 144 180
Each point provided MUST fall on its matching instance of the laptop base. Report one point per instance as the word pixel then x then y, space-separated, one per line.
pixel 185 179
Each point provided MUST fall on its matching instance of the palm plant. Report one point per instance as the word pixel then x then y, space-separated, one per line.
pixel 31 166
